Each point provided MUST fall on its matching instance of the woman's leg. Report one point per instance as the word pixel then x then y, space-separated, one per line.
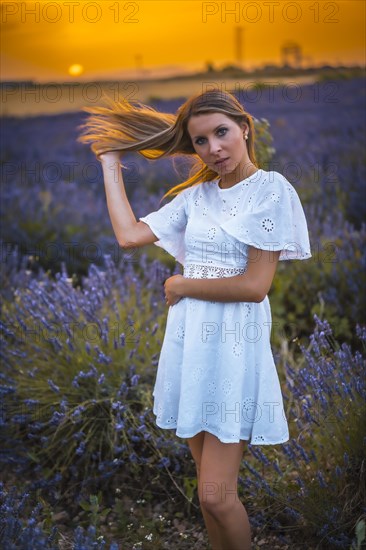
pixel 196 445
pixel 218 493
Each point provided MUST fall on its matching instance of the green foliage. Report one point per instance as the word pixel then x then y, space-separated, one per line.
pixel 95 511
pixel 264 149
pixel 360 535
pixel 325 285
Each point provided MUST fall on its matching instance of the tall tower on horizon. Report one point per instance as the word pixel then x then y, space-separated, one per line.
pixel 291 54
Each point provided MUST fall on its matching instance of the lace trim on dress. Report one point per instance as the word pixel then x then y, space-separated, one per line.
pixel 199 271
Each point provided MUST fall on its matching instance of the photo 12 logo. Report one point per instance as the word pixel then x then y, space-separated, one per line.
pixel 71 12
pixel 72 92
pixel 271 12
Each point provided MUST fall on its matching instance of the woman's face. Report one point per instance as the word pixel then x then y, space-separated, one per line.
pixel 219 142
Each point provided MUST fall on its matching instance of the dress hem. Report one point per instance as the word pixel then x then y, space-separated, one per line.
pixel 206 429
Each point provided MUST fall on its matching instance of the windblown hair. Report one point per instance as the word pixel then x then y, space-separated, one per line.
pixel 132 126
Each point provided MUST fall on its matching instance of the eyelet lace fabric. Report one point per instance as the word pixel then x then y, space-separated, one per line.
pixel 216 370
pixel 200 271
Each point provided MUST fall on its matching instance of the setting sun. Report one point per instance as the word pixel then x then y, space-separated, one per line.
pixel 76 69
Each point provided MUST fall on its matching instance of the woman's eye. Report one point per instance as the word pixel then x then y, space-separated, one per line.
pixel 220 132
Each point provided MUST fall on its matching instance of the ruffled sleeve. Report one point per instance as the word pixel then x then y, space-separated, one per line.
pixel 169 225
pixel 272 220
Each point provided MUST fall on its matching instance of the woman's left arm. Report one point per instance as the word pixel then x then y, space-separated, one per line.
pixel 251 286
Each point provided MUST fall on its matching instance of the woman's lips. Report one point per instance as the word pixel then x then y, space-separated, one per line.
pixel 221 161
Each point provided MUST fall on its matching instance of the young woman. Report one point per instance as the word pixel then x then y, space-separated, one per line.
pixel 229 224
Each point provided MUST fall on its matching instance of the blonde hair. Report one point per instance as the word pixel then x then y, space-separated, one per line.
pixel 133 126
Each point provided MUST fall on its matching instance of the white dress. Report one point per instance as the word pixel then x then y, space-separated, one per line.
pixel 216 371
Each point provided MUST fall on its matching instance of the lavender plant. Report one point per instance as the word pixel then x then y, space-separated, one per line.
pixel 29 533
pixel 81 335
pixel 77 421
pixel 72 361
pixel 318 489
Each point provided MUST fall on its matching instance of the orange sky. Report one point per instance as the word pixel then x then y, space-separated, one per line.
pixel 40 40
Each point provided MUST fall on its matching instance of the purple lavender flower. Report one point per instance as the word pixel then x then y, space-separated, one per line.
pixel 53 386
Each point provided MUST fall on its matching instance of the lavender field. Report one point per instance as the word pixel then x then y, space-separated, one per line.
pixel 83 464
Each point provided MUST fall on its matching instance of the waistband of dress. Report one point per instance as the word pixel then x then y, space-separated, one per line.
pixel 192 270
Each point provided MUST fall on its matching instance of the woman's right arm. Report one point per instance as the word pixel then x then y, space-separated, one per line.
pixel 129 232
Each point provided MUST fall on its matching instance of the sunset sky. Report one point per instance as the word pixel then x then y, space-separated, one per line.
pixel 42 40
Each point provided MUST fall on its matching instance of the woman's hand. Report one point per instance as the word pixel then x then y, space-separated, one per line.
pixel 173 289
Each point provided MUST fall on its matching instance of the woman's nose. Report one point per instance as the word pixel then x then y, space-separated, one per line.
pixel 215 146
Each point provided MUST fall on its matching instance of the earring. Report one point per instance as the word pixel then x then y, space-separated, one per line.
pixel 245 136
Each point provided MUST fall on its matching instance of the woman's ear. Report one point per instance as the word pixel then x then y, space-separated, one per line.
pixel 244 126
